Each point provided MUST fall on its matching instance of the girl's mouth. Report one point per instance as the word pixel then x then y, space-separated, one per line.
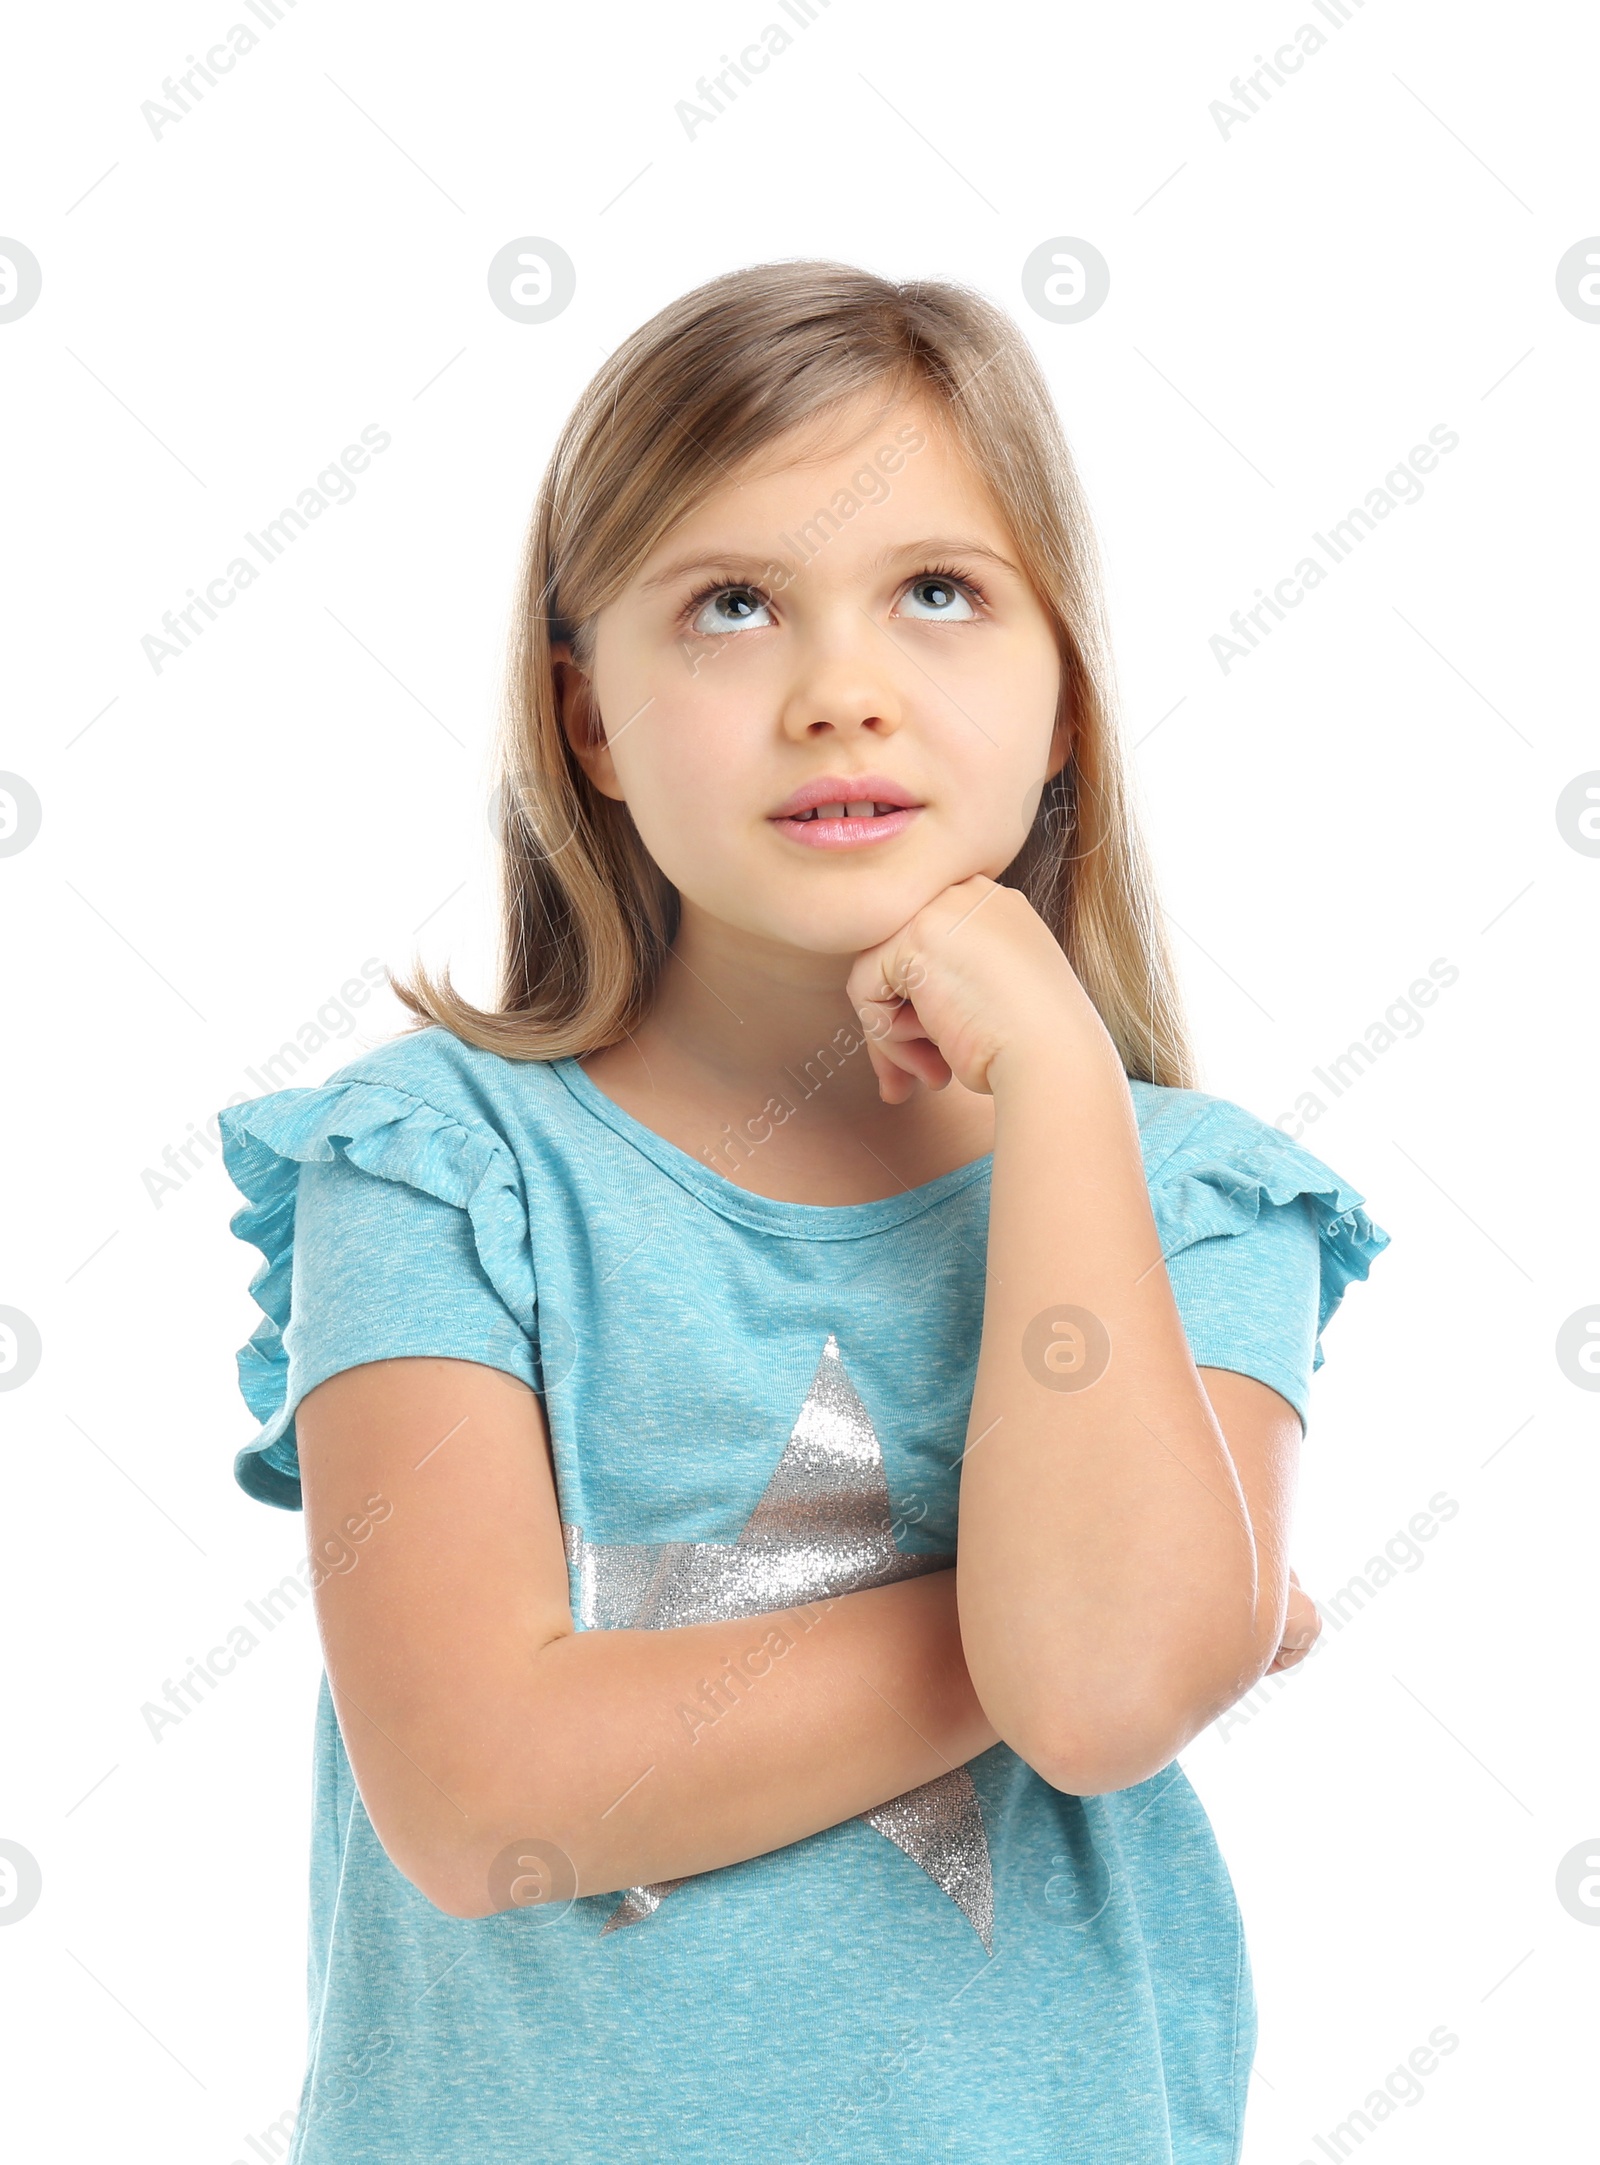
pixel 847 826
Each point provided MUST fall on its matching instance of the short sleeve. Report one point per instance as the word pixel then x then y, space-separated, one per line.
pixel 389 1229
pixel 1260 1241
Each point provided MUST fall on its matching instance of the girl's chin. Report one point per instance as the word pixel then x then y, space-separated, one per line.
pixel 848 930
pixel 834 905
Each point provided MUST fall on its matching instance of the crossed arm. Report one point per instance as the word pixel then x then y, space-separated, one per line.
pixel 1121 1573
pixel 475 1717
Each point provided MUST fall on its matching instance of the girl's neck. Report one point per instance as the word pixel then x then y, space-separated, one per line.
pixel 752 1060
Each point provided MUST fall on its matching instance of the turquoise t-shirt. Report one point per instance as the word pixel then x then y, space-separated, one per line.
pixel 751 1404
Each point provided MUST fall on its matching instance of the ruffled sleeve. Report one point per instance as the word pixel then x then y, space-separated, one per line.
pixel 411 1226
pixel 1260 1240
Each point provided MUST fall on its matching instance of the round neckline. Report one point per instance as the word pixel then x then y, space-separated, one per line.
pixel 799 1221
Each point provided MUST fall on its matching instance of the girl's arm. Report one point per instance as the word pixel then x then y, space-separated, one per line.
pixel 476 1718
pixel 1119 1585
pixel 1111 1585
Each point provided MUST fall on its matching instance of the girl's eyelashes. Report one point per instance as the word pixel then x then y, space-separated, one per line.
pixel 940 595
pixel 723 607
pixel 944 595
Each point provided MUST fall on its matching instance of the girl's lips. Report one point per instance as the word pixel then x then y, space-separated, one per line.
pixel 819 833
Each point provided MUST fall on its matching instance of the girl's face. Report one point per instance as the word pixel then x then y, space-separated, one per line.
pixel 831 691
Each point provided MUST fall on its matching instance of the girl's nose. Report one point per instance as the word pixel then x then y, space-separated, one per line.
pixel 846 688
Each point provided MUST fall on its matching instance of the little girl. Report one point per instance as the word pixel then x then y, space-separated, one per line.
pixel 694 1780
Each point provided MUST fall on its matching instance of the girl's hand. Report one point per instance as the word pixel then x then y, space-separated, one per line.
pixel 1302 1626
pixel 972 980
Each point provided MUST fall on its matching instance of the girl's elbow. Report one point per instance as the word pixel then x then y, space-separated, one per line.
pixel 452 1880
pixel 1096 1766
pixel 1117 1739
pixel 471 1862
pixel 453 1897
pixel 1088 1752
pixel 480 1878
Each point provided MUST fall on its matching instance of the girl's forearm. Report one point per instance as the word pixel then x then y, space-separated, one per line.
pixel 1106 1569
pixel 613 1751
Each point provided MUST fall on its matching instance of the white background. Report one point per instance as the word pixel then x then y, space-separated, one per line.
pixel 1292 307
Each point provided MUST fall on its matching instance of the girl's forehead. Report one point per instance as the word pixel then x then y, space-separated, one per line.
pixel 837 430
pixel 876 453
pixel 845 435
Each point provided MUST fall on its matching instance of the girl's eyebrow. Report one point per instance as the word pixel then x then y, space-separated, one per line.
pixel 740 561
pixel 937 545
pixel 706 560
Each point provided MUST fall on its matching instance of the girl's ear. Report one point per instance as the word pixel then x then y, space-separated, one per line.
pixel 1060 746
pixel 581 723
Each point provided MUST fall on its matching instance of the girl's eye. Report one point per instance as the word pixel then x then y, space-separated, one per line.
pixel 731 608
pixel 938 600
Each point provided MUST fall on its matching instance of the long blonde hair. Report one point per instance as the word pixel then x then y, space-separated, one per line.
pixel 713 378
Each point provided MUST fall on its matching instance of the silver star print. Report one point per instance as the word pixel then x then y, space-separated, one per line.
pixel 822 1527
